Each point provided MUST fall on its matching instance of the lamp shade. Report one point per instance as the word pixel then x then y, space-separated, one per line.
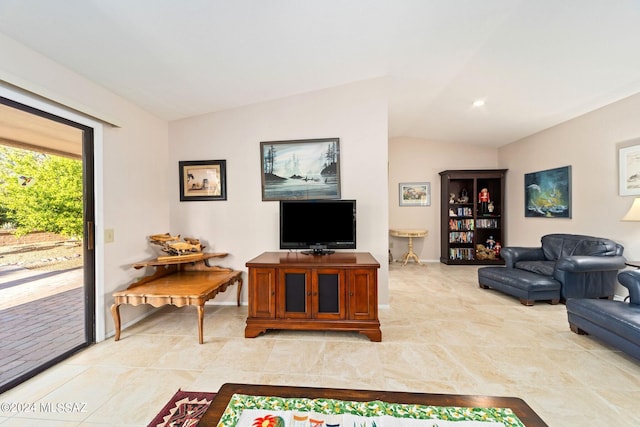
pixel 634 211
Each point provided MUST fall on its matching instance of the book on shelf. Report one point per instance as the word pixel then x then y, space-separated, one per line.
pixel 461 224
pixel 487 223
pixel 461 237
pixel 461 254
pixel 461 211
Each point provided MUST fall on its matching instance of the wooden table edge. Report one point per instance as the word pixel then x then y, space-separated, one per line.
pixel 520 408
pixel 199 301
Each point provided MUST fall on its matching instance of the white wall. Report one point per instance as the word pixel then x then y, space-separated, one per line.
pixel 244 225
pixel 132 166
pixel 589 144
pixel 419 160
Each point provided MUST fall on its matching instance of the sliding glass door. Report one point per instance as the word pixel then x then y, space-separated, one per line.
pixel 47 251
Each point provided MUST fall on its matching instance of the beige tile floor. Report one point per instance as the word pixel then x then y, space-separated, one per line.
pixel 441 334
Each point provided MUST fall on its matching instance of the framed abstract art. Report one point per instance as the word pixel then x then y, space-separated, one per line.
pixel 547 193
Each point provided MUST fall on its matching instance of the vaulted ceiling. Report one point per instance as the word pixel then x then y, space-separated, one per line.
pixel 534 63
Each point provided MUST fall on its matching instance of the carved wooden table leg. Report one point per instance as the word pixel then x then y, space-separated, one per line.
pixel 239 289
pixel 200 323
pixel 411 255
pixel 115 312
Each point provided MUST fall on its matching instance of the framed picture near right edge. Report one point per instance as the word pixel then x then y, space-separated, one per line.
pixel 629 168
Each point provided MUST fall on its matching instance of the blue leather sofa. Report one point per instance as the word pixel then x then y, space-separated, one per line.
pixel 617 323
pixel 564 266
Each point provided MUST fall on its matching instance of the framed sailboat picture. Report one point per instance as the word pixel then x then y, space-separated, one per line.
pixel 300 169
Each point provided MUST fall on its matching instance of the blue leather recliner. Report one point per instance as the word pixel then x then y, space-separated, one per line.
pixel 564 266
pixel 617 323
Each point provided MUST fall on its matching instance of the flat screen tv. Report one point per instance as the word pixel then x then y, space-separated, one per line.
pixel 317 225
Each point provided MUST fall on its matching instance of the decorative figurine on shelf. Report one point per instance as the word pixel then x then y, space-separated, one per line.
pixel 452 198
pixel 482 252
pixel 490 243
pixel 464 196
pixel 497 248
pixel 483 199
pixel 174 247
pixel 491 207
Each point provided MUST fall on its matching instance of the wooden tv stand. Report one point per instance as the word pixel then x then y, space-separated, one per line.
pixel 290 290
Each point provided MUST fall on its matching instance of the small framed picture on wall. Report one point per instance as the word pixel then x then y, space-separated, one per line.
pixel 415 194
pixel 203 180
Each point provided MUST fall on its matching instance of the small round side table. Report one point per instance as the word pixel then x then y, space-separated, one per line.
pixel 410 234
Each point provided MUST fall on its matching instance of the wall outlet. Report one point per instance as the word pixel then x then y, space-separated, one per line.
pixel 108 235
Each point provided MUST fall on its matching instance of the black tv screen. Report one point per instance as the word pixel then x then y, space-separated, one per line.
pixel 318 224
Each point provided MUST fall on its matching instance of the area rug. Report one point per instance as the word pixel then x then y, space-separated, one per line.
pixel 272 411
pixel 183 410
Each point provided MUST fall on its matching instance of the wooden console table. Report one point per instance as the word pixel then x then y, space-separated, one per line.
pixel 180 281
pixel 410 234
pixel 290 290
pixel 220 402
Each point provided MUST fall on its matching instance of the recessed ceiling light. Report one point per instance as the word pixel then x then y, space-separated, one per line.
pixel 478 103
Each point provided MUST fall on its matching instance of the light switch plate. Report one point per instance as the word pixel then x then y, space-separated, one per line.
pixel 108 235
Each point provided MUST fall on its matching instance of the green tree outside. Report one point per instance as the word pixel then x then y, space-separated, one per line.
pixel 41 192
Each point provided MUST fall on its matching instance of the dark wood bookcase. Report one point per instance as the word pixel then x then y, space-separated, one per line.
pixel 467 223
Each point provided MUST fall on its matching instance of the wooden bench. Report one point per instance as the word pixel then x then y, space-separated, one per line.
pixel 178 281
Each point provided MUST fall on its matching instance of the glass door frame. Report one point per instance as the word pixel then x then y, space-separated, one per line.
pixel 93 280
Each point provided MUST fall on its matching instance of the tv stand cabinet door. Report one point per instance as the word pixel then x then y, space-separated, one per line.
pixel 363 294
pixel 329 287
pixel 262 293
pixel 294 293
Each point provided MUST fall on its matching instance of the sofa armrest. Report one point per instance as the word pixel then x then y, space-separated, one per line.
pixel 513 254
pixel 584 264
pixel 630 279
